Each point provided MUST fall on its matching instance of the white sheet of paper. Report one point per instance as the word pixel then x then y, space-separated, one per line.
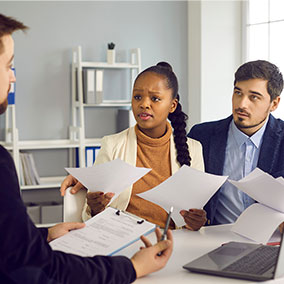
pixel 281 180
pixel 114 176
pixel 187 188
pixel 263 188
pixel 258 222
pixel 105 233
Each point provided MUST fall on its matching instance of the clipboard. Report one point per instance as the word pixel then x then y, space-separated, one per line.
pixel 106 234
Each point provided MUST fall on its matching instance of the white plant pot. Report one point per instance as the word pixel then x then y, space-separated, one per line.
pixel 110 56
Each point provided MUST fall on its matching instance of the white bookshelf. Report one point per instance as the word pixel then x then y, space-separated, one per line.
pixel 77 128
pixel 77 139
pixel 45 182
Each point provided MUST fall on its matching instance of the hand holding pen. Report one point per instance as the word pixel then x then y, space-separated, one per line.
pixel 166 227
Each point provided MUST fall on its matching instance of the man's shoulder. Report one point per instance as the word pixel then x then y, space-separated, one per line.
pixel 276 125
pixel 4 156
pixel 209 127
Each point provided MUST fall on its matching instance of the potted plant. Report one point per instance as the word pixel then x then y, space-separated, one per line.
pixel 110 53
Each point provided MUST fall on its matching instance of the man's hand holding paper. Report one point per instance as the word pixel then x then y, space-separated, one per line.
pixel 259 221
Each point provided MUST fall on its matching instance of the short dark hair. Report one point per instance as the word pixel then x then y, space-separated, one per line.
pixel 261 69
pixel 9 25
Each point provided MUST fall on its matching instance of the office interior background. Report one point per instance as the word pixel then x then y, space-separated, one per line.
pixel 204 41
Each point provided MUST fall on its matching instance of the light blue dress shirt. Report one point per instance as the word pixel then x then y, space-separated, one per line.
pixel 241 158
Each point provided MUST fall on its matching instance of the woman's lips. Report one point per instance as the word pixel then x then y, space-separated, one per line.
pixel 144 116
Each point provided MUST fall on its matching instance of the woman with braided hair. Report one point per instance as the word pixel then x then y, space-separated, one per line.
pixel 151 144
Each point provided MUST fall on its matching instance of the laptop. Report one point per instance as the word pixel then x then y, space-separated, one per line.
pixel 242 260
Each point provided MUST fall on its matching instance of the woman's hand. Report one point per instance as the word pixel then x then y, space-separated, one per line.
pixel 194 218
pixel 97 201
pixel 70 181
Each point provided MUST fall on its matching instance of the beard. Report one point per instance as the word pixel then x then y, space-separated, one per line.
pixel 3 106
pixel 240 125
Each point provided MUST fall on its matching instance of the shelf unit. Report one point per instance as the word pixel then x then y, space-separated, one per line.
pixel 77 137
pixel 14 145
pixel 77 129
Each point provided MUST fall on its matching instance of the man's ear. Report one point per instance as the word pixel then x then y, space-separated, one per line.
pixel 174 105
pixel 275 103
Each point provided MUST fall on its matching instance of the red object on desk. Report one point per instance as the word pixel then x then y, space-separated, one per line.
pixel 274 244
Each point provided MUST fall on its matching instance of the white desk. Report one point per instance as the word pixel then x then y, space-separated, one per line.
pixel 189 245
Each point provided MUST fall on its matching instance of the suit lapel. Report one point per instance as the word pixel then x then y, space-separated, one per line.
pixel 216 155
pixel 270 146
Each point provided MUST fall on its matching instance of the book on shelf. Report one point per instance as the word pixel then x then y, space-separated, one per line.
pixel 92 86
pixel 99 86
pixel 88 86
pixel 11 95
pixel 28 171
pixel 91 153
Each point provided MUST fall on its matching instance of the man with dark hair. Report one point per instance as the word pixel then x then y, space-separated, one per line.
pixel 251 137
pixel 25 254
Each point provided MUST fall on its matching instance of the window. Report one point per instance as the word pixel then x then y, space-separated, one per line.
pixel 265 35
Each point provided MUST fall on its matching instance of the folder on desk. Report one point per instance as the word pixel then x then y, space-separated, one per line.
pixel 106 233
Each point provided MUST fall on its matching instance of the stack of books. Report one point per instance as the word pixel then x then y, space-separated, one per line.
pixel 28 171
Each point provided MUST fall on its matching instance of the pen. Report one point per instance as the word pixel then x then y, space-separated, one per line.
pixel 166 227
pixel 167 224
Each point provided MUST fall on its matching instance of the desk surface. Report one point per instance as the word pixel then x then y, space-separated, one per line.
pixel 189 245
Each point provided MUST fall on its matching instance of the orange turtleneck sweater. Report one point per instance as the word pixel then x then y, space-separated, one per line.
pixel 152 153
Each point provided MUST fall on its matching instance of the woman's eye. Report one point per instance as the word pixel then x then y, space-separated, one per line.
pixel 137 97
pixel 155 99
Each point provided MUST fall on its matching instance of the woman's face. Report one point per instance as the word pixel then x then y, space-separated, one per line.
pixel 151 104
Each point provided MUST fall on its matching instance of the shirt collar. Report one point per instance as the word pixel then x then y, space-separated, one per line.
pixel 241 137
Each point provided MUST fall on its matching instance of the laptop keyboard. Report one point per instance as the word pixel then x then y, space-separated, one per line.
pixel 256 262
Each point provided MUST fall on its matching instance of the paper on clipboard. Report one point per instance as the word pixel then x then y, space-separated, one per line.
pixel 106 233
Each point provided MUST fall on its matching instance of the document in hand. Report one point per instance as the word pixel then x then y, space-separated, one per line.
pixel 113 176
pixel 106 233
pixel 259 221
pixel 187 188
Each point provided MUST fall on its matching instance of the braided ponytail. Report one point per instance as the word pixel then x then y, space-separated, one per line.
pixel 178 117
pixel 178 120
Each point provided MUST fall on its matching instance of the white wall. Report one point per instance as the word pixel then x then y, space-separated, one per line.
pixel 214 55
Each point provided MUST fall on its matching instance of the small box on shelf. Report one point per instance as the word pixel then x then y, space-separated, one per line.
pixel 51 212
pixel 33 210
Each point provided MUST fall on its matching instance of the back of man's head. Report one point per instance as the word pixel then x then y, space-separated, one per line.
pixel 261 69
pixel 7 26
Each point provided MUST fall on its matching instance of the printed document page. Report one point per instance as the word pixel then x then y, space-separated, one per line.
pixel 105 234
pixel 263 188
pixel 260 220
pixel 114 176
pixel 187 188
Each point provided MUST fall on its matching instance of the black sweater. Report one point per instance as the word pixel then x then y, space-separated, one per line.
pixel 25 255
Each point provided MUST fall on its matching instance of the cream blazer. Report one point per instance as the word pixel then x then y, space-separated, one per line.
pixel 123 145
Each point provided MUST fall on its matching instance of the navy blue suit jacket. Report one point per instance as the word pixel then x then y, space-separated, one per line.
pixel 213 137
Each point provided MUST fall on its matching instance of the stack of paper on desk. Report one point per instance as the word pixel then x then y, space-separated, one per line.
pixel 187 188
pixel 259 221
pixel 106 234
pixel 114 176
